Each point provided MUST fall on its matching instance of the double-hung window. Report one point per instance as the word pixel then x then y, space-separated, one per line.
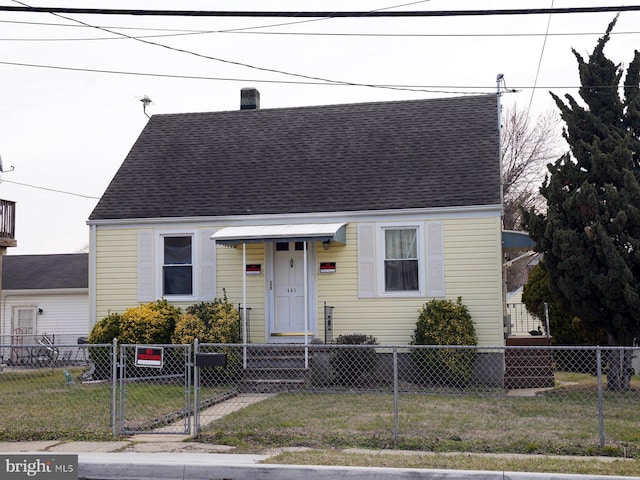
pixel 401 260
pixel 177 267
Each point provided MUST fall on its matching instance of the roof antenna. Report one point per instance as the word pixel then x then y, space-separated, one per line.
pixel 501 85
pixel 146 101
pixel 2 170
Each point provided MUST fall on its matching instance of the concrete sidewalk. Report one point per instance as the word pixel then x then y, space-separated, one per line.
pixel 168 458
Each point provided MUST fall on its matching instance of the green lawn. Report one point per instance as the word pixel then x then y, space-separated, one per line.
pixel 39 404
pixel 563 420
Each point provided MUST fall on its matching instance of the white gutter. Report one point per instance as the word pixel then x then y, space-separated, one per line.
pixel 345 217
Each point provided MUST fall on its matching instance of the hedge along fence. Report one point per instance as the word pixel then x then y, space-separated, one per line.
pixel 161 323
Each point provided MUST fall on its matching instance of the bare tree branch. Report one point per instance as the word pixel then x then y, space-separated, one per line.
pixel 526 150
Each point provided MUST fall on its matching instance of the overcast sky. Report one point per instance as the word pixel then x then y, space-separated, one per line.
pixel 66 123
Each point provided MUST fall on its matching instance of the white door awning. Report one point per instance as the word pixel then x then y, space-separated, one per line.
pixel 322 232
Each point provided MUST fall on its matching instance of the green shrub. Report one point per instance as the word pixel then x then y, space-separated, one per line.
pixel 213 322
pixel 209 322
pixel 444 322
pixel 106 329
pixel 151 323
pixel 351 365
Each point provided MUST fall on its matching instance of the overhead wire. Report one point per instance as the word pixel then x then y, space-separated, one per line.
pixel 544 43
pixel 226 61
pixel 315 14
pixel 308 79
pixel 447 89
pixel 50 189
pixel 246 31
pixel 309 34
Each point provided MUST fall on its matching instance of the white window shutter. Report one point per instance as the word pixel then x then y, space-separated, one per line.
pixel 207 260
pixel 435 260
pixel 366 244
pixel 146 275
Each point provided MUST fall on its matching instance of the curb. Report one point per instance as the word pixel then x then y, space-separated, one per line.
pixel 203 467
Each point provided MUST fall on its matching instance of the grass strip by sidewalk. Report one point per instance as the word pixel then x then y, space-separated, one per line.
pixel 461 461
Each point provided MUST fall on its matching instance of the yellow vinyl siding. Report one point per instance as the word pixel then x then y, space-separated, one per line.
pixel 472 261
pixel 472 270
pixel 229 277
pixel 116 253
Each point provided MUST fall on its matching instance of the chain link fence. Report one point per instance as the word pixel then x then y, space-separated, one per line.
pixel 154 389
pixel 572 400
pixel 522 399
pixel 50 389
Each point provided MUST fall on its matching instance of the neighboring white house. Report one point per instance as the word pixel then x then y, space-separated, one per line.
pixel 43 295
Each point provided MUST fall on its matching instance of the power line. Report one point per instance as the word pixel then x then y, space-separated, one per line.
pixel 228 79
pixel 461 35
pixel 317 14
pixel 245 31
pixel 309 79
pixel 229 62
pixel 448 89
pixel 544 43
pixel 185 33
pixel 89 39
pixel 50 189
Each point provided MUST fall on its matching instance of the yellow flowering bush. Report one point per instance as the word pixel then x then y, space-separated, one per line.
pixel 188 328
pixel 151 323
pixel 221 320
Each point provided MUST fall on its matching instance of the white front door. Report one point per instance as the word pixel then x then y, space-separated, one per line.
pixel 289 289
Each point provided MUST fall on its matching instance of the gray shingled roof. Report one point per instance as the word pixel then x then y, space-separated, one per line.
pixel 334 158
pixel 45 272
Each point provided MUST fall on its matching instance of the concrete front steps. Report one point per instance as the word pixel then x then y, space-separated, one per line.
pixel 274 370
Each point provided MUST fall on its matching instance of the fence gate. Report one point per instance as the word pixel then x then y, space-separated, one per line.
pixel 154 394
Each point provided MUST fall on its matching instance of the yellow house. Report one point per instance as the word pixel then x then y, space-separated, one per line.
pixel 317 221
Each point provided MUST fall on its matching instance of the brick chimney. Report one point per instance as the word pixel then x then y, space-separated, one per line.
pixel 249 99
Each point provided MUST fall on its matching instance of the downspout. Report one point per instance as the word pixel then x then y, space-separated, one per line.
pixel 306 309
pixel 244 306
pixel 499 83
pixel 92 277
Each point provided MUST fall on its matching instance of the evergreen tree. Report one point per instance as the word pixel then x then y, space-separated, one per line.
pixel 565 328
pixel 590 233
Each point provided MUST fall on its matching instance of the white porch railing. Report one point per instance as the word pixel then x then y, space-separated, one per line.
pixel 522 322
